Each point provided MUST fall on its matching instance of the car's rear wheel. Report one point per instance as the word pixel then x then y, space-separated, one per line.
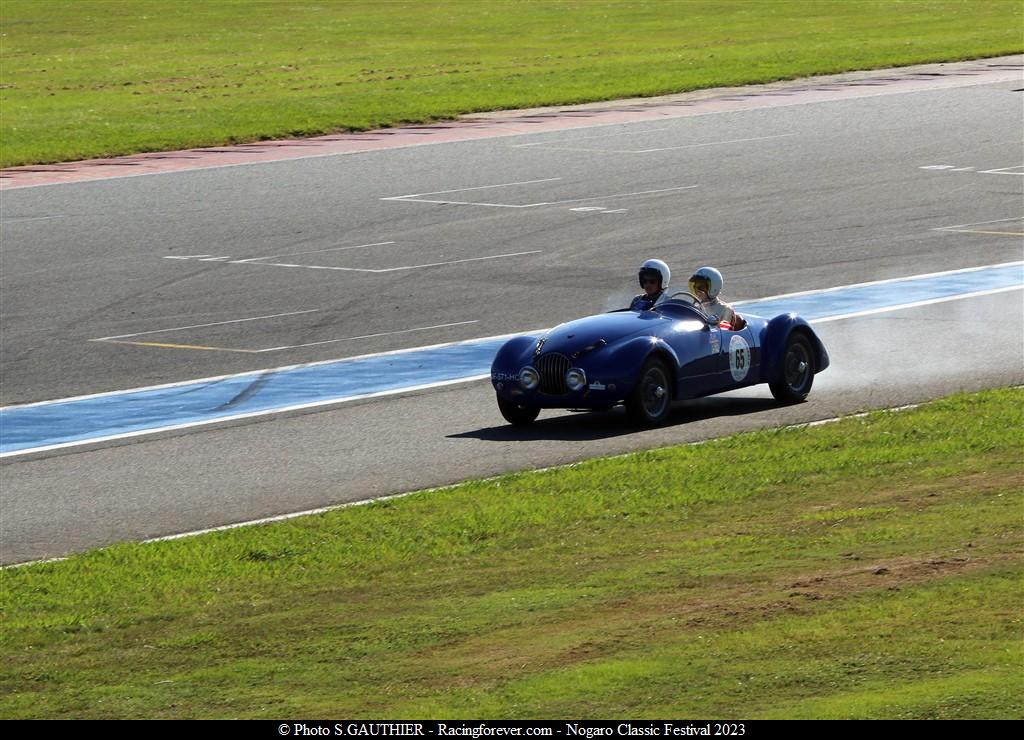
pixel 517 415
pixel 797 372
pixel 651 400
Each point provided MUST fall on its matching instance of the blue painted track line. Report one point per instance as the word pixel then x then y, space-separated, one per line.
pixel 60 423
pixel 68 422
pixel 817 305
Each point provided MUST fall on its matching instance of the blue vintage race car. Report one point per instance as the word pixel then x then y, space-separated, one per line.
pixel 648 359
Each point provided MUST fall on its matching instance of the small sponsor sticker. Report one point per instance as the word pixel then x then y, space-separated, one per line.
pixel 595 386
pixel 739 357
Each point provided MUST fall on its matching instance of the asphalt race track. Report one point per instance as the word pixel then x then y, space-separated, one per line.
pixel 130 282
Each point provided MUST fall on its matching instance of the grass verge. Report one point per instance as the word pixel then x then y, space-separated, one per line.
pixel 90 78
pixel 867 568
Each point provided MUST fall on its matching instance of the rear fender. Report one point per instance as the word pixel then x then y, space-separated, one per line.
pixel 773 345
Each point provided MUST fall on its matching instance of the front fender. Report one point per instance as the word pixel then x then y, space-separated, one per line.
pixel 512 355
pixel 629 357
pixel 773 345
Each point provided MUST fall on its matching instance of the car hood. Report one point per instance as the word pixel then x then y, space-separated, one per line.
pixel 574 337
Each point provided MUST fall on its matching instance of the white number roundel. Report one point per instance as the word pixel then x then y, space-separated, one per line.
pixel 739 357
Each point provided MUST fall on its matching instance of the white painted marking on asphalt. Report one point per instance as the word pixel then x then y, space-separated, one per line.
pixel 551 203
pixel 547 203
pixel 369 336
pixel 997 171
pixel 339 249
pixel 982 231
pixel 23 219
pixel 254 259
pixel 599 209
pixel 187 257
pixel 216 259
pixel 311 251
pixel 982 223
pixel 454 262
pixel 417 198
pixel 617 195
pixel 461 203
pixel 396 269
pixel 199 326
pixel 916 304
pixel 481 187
pixel 1004 171
pixel 169 345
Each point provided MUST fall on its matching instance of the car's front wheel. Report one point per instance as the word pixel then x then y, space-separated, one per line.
pixel 517 415
pixel 651 400
pixel 797 376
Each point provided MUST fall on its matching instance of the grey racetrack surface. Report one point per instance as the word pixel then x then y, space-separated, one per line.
pixel 785 199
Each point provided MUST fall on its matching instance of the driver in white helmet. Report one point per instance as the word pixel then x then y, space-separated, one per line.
pixel 706 284
pixel 654 276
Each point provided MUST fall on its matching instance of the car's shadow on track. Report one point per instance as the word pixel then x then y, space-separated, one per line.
pixel 586 425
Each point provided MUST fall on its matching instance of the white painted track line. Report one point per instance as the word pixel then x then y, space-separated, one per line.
pixel 369 336
pixel 200 326
pixel 980 223
pixel 416 199
pixel 481 187
pixel 311 251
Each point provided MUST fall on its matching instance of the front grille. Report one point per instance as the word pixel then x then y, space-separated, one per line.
pixel 552 368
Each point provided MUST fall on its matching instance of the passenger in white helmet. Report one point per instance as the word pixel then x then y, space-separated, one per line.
pixel 654 276
pixel 706 285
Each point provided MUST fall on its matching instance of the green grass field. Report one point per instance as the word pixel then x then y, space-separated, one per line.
pixel 866 568
pixel 89 78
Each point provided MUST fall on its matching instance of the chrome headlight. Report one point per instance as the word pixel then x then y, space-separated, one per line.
pixel 529 378
pixel 576 379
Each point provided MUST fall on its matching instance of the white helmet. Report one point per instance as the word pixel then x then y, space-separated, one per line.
pixel 708 280
pixel 658 267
